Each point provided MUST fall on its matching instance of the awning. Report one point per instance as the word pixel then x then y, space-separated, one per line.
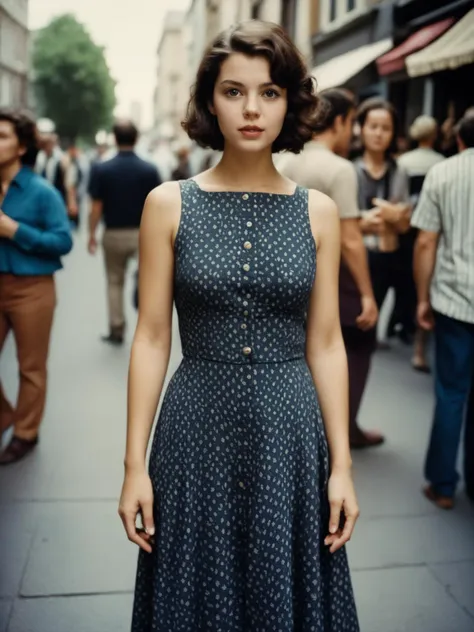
pixel 395 59
pixel 454 49
pixel 337 71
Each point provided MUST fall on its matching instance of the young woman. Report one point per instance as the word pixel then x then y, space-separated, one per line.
pixel 34 234
pixel 245 510
pixel 383 196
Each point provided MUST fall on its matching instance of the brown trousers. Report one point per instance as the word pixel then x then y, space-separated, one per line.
pixel 119 245
pixel 26 307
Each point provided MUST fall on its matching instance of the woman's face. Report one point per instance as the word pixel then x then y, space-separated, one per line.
pixel 377 131
pixel 10 150
pixel 249 107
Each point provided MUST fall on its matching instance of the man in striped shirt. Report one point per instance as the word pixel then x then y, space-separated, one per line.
pixel 444 275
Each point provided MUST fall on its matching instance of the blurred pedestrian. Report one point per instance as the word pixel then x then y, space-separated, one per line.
pixel 417 163
pixel 183 169
pixel 383 195
pixel 118 189
pixel 244 513
pixel 54 166
pixel 321 166
pixel 34 234
pixel 444 274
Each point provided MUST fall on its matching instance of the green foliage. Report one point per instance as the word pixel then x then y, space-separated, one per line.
pixel 72 82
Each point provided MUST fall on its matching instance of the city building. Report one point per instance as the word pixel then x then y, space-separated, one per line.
pixel 172 91
pixel 14 52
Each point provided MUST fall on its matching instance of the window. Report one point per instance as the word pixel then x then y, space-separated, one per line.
pixel 256 8
pixel 288 16
pixel 339 11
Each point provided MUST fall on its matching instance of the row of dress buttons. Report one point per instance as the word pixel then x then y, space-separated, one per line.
pixel 246 267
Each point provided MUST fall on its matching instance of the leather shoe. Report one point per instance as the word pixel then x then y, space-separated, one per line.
pixel 17 449
pixel 366 439
pixel 443 502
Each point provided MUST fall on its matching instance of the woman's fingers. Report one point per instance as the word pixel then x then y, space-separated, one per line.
pixel 342 536
pixel 335 516
pixel 134 534
pixel 147 517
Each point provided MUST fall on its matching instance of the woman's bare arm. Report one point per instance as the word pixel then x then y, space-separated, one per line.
pixel 325 351
pixel 327 361
pixel 152 342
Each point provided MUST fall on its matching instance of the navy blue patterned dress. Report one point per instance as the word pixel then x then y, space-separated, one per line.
pixel 239 461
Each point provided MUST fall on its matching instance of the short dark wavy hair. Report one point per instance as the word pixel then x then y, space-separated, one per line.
pixel 26 132
pixel 287 70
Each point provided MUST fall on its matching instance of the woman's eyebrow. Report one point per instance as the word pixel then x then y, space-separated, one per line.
pixel 241 85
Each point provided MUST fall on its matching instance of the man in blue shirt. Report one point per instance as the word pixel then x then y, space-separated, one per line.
pixel 118 189
pixel 34 234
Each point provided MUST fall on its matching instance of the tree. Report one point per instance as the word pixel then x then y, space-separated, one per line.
pixel 72 81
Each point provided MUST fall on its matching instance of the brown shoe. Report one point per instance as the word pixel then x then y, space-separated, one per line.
pixel 367 439
pixel 17 449
pixel 443 502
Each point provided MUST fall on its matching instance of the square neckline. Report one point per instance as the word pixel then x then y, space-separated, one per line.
pixel 246 192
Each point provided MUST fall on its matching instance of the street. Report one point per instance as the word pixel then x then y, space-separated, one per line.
pixel 66 565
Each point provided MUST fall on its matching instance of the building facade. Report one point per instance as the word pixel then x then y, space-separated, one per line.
pixel 14 52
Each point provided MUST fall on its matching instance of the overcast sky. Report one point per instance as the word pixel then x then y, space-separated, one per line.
pixel 129 30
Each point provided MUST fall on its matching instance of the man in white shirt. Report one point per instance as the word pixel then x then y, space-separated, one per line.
pixel 444 275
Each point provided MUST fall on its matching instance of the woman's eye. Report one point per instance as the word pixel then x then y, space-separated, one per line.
pixel 271 94
pixel 233 92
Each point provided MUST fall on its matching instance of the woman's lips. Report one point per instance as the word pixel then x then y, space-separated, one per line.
pixel 251 132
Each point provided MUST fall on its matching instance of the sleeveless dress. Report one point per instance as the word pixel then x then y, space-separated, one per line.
pixel 239 459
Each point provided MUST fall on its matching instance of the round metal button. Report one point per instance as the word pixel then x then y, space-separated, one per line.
pixel 246 313
pixel 247 350
pixel 249 224
pixel 246 267
pixel 245 196
pixel 242 484
pixel 243 326
pixel 247 245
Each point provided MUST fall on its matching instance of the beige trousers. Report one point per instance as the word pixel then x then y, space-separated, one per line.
pixel 120 246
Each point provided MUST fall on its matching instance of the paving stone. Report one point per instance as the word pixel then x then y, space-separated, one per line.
pixel 79 548
pixel 5 608
pixel 399 541
pixel 17 525
pixel 406 600
pixel 458 579
pixel 102 613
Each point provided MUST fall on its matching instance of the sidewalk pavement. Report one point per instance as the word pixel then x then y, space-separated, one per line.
pixel 65 563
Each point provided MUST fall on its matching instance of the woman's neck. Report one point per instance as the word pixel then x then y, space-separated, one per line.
pixel 376 159
pixel 244 170
pixel 7 174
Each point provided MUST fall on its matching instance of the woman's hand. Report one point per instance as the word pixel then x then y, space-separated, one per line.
pixel 372 223
pixel 344 509
pixel 137 498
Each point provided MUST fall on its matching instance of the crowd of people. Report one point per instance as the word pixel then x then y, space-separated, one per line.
pixel 376 193
pixel 402 222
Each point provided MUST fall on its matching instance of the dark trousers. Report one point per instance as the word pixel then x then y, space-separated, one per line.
pixel 469 445
pixel 454 373
pixel 360 346
pixel 385 273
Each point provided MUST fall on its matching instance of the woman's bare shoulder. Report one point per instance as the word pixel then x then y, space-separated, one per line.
pixel 323 214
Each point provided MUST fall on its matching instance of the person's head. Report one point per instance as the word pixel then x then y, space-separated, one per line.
pixel 125 133
pixel 182 154
pixel 338 118
pixel 424 130
pixel 465 133
pixel 378 122
pixel 48 142
pixel 252 76
pixel 18 138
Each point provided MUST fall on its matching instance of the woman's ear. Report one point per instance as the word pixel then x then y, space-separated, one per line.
pixel 210 106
